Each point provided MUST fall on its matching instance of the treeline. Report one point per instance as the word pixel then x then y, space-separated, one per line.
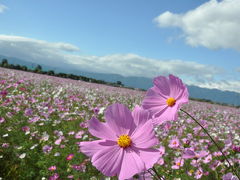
pixel 38 69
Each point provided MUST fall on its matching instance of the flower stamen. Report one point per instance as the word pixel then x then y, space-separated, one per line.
pixel 124 141
pixel 171 102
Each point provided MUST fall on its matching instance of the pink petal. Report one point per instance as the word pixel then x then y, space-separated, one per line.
pixel 176 86
pixel 184 97
pixel 170 114
pixel 178 89
pixel 188 154
pixel 154 102
pixel 119 119
pixel 140 115
pixel 144 136
pixel 92 147
pixel 148 156
pixel 162 84
pixel 101 130
pixel 131 164
pixel 108 160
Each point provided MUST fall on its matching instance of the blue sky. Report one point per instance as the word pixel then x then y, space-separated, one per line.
pixel 197 40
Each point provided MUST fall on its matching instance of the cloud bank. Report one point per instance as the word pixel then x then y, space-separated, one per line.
pixel 212 25
pixel 60 54
pixel 34 50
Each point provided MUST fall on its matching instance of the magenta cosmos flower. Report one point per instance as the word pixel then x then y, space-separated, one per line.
pixel 163 100
pixel 125 148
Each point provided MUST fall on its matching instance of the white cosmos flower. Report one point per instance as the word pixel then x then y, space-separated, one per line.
pixel 35 145
pixel 5 135
pixel 22 155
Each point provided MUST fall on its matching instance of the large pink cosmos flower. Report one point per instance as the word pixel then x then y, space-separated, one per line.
pixel 163 100
pixel 125 148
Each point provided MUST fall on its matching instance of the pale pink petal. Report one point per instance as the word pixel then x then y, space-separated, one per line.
pixel 92 147
pixel 140 115
pixel 176 86
pixel 163 85
pixel 154 102
pixel 188 154
pixel 144 136
pixel 131 164
pixel 109 160
pixel 183 98
pixel 119 119
pixel 170 114
pixel 148 156
pixel 101 130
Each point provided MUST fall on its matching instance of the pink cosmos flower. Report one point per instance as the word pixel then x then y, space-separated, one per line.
pixel 96 110
pixel 70 157
pixel 229 176
pixel 161 150
pixel 207 159
pixel 58 141
pixel 70 177
pixel 47 148
pixel 188 154
pixel 5 145
pixel 28 112
pixel 52 168
pixel 234 148
pixel 83 125
pixel 125 148
pixel 160 161
pixel 55 176
pixel 4 93
pixel 198 173
pixel 79 134
pixel 174 143
pixel 2 120
pixel 34 119
pixel 164 99
pixel 25 128
pixel 178 162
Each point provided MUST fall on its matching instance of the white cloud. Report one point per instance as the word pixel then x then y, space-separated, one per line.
pixel 213 24
pixel 231 85
pixel 2 8
pixel 33 50
pixel 134 65
pixel 59 55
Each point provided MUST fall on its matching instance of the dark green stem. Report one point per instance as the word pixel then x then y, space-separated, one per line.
pixel 151 173
pixel 159 177
pixel 233 170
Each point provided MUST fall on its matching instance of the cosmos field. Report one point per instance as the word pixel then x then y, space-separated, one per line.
pixel 43 119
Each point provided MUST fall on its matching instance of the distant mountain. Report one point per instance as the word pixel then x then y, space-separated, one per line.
pixel 215 95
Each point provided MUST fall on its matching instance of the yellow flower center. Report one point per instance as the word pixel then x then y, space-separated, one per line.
pixel 171 101
pixel 178 163
pixel 191 171
pixel 124 141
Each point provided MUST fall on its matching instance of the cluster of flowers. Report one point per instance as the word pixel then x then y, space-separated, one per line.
pixel 43 122
pixel 127 139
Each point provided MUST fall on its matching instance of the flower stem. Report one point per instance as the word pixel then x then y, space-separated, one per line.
pixel 153 168
pixel 151 173
pixel 233 170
